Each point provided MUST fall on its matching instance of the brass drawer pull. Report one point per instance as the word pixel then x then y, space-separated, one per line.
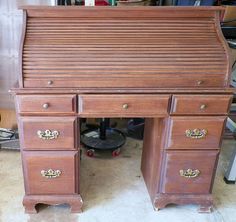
pixel 50 82
pixel 45 105
pixel 196 133
pixel 125 106
pixel 47 134
pixel 50 173
pixel 189 173
pixel 199 82
pixel 203 106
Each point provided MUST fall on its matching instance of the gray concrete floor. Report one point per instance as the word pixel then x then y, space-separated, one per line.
pixel 113 191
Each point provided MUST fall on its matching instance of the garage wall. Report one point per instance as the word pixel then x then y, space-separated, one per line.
pixel 10 32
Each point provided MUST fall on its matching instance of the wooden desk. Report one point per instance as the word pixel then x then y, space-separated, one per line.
pixel 169 65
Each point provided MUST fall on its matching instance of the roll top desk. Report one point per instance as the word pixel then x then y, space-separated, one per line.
pixel 169 65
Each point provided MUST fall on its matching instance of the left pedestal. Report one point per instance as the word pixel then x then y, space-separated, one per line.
pixel 50 151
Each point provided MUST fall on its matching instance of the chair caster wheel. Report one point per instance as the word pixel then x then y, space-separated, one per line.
pixel 116 152
pixel 90 152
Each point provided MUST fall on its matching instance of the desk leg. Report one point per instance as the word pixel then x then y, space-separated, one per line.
pixel 154 136
pixel 30 202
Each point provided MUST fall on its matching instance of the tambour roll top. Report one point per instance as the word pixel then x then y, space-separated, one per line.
pixel 136 47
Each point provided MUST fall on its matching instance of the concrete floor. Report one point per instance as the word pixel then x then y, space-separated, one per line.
pixel 113 191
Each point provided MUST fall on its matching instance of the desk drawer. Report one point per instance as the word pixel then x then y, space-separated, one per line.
pixel 51 172
pixel 161 80
pixel 123 105
pixel 48 133
pixel 46 103
pixel 195 132
pixel 189 172
pixel 200 104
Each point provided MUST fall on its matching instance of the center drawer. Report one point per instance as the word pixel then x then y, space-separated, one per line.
pixel 49 172
pixel 123 105
pixel 48 133
pixel 195 132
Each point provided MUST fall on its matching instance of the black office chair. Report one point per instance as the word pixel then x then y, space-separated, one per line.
pixel 102 137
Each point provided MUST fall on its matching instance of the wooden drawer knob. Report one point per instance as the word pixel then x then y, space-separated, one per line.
pixel 125 106
pixel 45 105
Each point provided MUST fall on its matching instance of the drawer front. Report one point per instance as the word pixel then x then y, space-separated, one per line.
pixel 48 133
pixel 195 132
pixel 123 105
pixel 46 103
pixel 199 104
pixel 137 81
pixel 189 172
pixel 51 172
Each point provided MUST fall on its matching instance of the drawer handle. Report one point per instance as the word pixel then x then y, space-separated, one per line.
pixel 189 173
pixel 196 133
pixel 45 105
pixel 200 82
pixel 203 106
pixel 50 173
pixel 47 134
pixel 125 106
pixel 50 82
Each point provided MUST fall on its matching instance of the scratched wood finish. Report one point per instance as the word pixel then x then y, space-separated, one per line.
pixel 122 48
pixel 67 128
pixel 65 161
pixel 204 161
pixel 177 138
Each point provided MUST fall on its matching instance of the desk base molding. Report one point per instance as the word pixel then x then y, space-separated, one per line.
pixel 205 202
pixel 30 201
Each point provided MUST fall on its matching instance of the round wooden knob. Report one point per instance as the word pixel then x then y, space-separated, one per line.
pixel 125 106
pixel 50 82
pixel 203 106
pixel 199 82
pixel 45 105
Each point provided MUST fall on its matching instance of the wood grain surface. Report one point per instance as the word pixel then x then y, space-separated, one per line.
pixel 160 63
pixel 124 47
pixel 67 128
pixel 65 161
pixel 177 138
pixel 204 161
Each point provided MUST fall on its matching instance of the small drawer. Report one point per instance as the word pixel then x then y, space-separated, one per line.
pixel 48 133
pixel 51 172
pixel 123 105
pixel 199 104
pixel 195 132
pixel 189 172
pixel 46 103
